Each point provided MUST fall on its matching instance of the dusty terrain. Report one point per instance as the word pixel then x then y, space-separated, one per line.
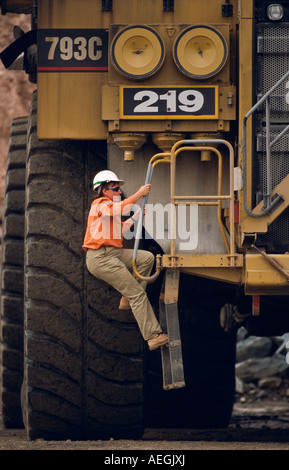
pixel 257 423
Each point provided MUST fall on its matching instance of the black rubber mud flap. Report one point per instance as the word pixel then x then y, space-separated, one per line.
pixel 12 276
pixel 83 364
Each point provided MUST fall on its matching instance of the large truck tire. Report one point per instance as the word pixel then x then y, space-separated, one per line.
pixel 12 260
pixel 83 369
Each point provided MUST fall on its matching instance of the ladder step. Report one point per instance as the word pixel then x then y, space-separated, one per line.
pixel 172 359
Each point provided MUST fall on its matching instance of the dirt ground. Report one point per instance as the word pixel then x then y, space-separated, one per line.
pixel 18 442
pixel 257 424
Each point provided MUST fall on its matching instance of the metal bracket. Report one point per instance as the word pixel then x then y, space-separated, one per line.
pixel 273 262
pixel 168 5
pixel 106 5
pixel 227 9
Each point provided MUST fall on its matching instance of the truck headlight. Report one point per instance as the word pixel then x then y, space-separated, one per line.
pixel 275 12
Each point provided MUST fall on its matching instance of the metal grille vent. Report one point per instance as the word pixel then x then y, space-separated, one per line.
pixel 277 237
pixel 272 64
pixel 282 145
pixel 273 39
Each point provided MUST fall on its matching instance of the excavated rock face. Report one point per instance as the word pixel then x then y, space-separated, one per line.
pixel 15 91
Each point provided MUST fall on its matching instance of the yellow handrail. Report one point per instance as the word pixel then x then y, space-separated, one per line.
pixel 170 157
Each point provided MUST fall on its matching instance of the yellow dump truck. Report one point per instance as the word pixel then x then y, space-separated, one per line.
pixel 192 97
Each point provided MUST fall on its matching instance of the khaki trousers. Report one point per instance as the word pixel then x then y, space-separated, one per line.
pixel 114 266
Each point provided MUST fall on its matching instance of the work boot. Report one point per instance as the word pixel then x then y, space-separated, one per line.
pixel 124 304
pixel 158 340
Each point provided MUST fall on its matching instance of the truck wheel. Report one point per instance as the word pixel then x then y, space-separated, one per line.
pixel 209 362
pixel 12 276
pixel 83 357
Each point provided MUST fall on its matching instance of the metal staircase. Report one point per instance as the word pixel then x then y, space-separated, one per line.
pixel 270 202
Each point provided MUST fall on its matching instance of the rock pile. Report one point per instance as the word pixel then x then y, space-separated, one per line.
pixel 262 363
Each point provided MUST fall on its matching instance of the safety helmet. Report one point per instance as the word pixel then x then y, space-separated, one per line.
pixel 105 176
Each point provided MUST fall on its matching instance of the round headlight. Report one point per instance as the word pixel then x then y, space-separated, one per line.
pixel 137 52
pixel 275 12
pixel 200 51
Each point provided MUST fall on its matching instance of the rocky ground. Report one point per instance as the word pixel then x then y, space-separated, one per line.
pixel 262 381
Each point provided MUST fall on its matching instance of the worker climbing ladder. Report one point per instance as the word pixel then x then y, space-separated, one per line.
pixel 172 360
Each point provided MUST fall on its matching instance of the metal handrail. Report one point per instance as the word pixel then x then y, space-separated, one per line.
pixel 171 158
pixel 158 158
pixel 270 204
pixel 194 143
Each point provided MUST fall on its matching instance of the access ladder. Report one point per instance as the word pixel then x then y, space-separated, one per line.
pixel 172 359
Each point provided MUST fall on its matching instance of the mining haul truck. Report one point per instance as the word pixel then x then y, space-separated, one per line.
pixel 193 98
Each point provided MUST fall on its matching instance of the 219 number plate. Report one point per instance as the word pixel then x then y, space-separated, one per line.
pixel 169 102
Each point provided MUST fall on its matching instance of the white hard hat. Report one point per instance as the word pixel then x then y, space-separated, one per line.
pixel 105 176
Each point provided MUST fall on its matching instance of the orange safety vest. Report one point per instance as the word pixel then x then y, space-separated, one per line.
pixel 104 225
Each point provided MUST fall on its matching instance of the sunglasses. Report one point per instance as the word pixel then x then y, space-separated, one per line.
pixel 116 189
